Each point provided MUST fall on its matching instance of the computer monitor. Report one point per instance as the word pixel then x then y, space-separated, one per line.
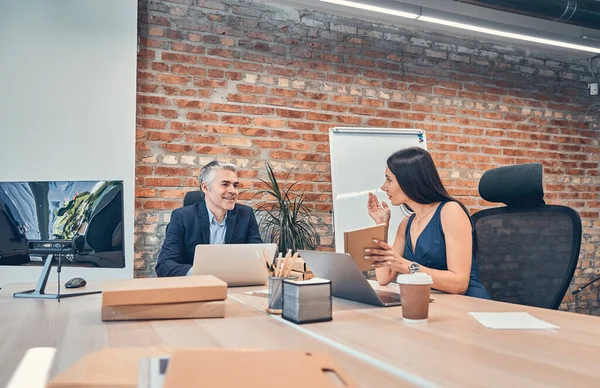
pixel 79 221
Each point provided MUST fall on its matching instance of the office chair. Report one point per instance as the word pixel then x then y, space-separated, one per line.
pixel 527 250
pixel 191 197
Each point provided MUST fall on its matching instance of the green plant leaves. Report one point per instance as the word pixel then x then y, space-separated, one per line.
pixel 287 221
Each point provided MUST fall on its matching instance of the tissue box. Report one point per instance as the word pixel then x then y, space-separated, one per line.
pixel 307 301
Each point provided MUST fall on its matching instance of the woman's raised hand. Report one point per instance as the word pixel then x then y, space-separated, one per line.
pixel 380 213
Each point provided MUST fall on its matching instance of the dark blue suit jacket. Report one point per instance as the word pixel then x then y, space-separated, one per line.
pixel 189 227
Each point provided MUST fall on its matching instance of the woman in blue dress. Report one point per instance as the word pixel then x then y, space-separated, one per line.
pixel 437 239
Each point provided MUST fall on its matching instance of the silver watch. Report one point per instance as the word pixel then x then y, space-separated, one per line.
pixel 413 267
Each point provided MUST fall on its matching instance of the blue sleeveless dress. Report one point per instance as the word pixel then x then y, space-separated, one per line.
pixel 430 251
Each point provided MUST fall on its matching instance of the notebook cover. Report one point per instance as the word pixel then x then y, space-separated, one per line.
pixel 185 310
pixel 163 290
pixel 260 369
pixel 356 241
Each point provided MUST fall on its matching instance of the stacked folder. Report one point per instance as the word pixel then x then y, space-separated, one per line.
pixel 164 298
pixel 306 301
pixel 164 367
pixel 301 270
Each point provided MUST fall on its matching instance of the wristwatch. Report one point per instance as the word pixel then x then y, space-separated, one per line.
pixel 413 267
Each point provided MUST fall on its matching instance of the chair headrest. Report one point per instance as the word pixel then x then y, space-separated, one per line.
pixel 515 186
pixel 191 197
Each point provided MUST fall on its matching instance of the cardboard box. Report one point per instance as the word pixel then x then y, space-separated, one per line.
pixel 185 310
pixel 299 265
pixel 302 275
pixel 163 290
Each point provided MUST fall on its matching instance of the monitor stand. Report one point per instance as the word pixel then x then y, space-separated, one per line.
pixel 39 292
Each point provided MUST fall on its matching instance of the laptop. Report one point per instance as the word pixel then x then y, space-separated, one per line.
pixel 347 281
pixel 236 264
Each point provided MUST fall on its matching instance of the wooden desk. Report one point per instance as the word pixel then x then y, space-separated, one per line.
pixel 453 350
pixel 74 328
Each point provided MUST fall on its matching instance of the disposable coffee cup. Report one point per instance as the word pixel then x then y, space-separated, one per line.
pixel 415 290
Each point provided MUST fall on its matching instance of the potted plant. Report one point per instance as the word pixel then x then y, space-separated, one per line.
pixel 284 218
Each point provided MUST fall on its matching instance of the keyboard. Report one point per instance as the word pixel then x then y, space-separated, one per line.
pixel 388 297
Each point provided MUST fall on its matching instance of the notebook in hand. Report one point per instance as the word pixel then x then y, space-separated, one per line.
pixel 356 241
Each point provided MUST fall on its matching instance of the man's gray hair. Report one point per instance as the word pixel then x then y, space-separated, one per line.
pixel 208 172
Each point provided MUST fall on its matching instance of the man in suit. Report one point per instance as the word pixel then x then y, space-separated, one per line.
pixel 217 219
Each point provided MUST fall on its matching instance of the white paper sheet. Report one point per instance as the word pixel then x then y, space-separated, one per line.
pixel 511 321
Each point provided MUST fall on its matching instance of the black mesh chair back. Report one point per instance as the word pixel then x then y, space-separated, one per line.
pixel 192 197
pixel 527 250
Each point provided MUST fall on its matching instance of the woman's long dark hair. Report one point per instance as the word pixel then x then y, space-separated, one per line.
pixel 419 179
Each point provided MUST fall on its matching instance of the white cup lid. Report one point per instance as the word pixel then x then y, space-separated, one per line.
pixel 415 278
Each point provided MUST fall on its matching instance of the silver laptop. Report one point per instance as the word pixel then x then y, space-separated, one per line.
pixel 235 264
pixel 347 281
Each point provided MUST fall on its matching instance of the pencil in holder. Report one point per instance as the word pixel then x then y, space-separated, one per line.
pixel 276 294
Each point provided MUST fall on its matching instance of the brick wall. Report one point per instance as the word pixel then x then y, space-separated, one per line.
pixel 255 82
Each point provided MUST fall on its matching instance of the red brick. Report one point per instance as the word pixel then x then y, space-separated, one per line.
pixel 285 134
pixel 203 139
pixel 190 48
pixel 305 104
pixel 281 155
pixel 259 110
pixel 226 130
pixel 214 62
pixel 195 104
pixel 143 170
pixel 269 123
pixel 244 98
pixel 178 58
pixel 151 124
pixel 225 108
pixel 142 192
pixel 177 148
pixel 371 102
pixel 294 114
pixel 301 125
pixel 164 205
pixel 308 157
pixel 252 131
pixel 246 152
pixel 172 171
pixel 202 116
pixel 239 120
pixel 267 143
pixel 284 92
pixel 243 88
pixel 162 136
pixel 249 66
pixel 210 150
pixel 160 182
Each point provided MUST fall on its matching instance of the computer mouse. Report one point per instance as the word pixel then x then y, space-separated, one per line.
pixel 75 283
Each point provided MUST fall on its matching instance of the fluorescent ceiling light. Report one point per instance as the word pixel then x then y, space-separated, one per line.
pixel 367 7
pixel 507 34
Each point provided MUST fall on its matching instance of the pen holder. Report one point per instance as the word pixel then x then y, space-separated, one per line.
pixel 276 294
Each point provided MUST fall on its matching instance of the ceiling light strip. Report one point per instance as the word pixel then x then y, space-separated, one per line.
pixel 507 34
pixel 367 7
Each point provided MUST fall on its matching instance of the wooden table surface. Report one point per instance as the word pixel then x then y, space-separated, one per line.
pixel 74 327
pixel 454 350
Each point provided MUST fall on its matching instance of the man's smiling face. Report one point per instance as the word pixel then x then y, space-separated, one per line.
pixel 223 190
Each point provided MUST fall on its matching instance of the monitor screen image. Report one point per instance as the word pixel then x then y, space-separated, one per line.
pixel 88 213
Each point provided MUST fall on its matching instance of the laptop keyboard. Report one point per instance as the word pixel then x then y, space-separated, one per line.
pixel 388 297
